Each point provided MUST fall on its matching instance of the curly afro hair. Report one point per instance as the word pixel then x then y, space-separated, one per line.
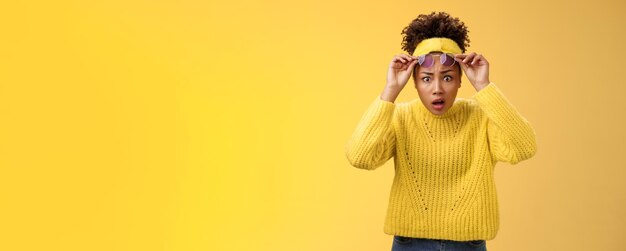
pixel 439 24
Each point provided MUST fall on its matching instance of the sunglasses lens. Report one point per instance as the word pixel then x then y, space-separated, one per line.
pixel 426 60
pixel 447 59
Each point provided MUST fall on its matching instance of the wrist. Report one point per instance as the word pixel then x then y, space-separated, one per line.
pixel 390 94
pixel 392 89
pixel 480 86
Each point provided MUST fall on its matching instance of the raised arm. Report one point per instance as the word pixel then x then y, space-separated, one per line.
pixel 373 141
pixel 511 137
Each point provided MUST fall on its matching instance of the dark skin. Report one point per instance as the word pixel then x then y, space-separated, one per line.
pixel 437 81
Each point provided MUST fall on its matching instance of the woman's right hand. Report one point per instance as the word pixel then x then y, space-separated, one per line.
pixel 400 70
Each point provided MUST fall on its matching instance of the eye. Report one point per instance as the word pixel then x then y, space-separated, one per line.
pixel 448 78
pixel 425 79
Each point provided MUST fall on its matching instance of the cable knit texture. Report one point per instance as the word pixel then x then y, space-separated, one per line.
pixel 443 186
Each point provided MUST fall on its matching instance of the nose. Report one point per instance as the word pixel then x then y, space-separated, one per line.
pixel 438 89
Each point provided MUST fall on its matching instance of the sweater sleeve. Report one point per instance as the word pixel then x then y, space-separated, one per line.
pixel 511 137
pixel 373 141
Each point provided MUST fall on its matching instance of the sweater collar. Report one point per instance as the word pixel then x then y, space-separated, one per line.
pixel 422 110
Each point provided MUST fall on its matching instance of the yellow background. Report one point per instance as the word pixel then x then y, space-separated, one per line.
pixel 221 125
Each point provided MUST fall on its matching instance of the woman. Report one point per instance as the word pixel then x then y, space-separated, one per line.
pixel 445 148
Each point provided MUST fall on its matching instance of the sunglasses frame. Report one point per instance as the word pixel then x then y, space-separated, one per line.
pixel 422 58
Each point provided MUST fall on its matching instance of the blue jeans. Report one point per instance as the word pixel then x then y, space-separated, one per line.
pixel 401 243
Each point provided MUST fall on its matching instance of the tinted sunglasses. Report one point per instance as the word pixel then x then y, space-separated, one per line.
pixel 428 60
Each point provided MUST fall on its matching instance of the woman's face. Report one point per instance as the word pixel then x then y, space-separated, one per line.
pixel 437 83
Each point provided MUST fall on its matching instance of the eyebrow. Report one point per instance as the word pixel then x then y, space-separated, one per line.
pixel 430 73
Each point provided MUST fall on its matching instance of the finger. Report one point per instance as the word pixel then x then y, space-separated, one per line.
pixel 407 57
pixel 399 59
pixel 397 65
pixel 476 59
pixel 412 65
pixel 407 66
pixel 483 60
pixel 469 57
pixel 459 58
pixel 463 65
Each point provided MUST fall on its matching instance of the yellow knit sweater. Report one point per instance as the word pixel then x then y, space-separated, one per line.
pixel 443 186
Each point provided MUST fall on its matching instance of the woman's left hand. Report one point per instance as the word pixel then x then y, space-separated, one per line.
pixel 476 69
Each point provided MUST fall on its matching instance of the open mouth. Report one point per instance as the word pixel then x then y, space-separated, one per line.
pixel 438 103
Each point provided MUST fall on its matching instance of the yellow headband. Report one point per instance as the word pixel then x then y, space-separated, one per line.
pixel 442 44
